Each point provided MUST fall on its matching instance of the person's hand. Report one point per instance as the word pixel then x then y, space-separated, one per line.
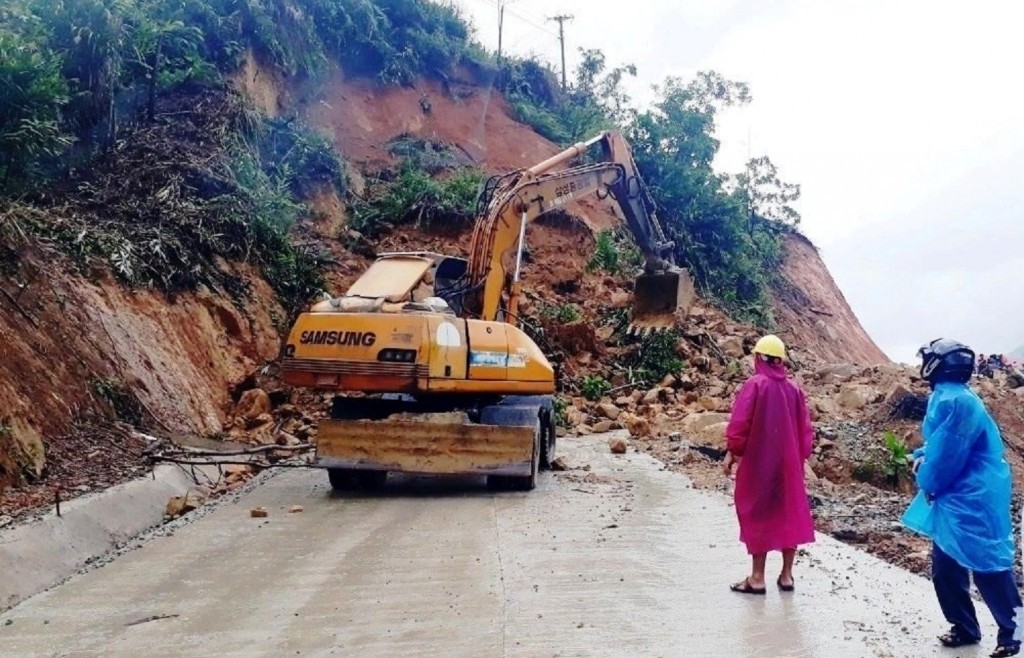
pixel 728 464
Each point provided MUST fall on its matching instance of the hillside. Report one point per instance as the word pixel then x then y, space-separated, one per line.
pixel 148 293
pixel 177 364
pixel 812 313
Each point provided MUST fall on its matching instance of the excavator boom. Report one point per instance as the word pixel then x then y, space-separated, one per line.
pixel 659 293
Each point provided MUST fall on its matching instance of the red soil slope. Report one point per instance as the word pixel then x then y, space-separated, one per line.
pixel 812 312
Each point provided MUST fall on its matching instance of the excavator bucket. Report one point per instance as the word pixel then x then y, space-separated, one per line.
pixel 658 299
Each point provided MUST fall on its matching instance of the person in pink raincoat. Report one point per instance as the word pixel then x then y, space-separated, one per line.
pixel 769 438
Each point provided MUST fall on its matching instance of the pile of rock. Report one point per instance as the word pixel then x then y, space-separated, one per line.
pixel 257 420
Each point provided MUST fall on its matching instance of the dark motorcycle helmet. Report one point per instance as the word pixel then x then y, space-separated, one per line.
pixel 945 360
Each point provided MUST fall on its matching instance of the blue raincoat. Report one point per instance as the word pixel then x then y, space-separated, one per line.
pixel 965 484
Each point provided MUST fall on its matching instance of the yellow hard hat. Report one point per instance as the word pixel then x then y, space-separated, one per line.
pixel 771 346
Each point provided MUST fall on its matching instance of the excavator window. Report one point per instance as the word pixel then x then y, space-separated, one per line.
pixel 449 281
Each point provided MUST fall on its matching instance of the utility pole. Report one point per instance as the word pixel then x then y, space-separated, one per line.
pixel 561 38
pixel 501 23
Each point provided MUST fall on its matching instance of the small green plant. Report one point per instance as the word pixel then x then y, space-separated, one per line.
pixel 657 357
pixel 561 313
pixel 606 254
pixel 897 457
pixel 560 406
pixel 595 387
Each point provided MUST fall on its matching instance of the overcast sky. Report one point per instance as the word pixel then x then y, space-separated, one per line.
pixel 901 119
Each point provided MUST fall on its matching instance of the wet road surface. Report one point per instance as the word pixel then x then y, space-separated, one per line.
pixel 622 560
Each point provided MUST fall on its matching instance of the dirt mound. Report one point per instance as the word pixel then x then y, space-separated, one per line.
pixel 362 117
pixel 812 313
pixel 85 344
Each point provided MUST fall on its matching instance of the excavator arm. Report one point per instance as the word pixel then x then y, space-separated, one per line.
pixel 526 195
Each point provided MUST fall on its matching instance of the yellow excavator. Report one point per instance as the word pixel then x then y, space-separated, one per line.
pixel 433 373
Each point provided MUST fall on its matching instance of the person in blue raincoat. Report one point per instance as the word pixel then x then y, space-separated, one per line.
pixel 963 503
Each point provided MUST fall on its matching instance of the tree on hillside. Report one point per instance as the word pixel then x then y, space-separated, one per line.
pixel 30 109
pixel 765 195
pixel 674 146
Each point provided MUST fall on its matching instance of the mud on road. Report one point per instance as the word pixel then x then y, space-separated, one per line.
pixel 613 557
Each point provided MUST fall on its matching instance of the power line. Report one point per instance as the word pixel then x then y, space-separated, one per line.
pixel 499 4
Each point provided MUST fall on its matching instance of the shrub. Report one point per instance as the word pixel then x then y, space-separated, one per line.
pixel 542 119
pixel 414 197
pixel 594 387
pixel 657 358
pixel 606 254
pixel 897 457
pixel 560 406
pixel 121 400
pixel 561 313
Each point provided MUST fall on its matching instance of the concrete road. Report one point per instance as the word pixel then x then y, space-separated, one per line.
pixel 622 560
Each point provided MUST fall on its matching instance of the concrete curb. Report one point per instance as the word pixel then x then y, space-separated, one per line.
pixel 44 552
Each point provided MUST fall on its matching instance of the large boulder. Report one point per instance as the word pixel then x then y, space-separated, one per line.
pixel 254 403
pixel 638 427
pixel 837 373
pixel 857 396
pixel 825 407
pixel 731 346
pixel 609 410
pixel 694 424
pixel 713 435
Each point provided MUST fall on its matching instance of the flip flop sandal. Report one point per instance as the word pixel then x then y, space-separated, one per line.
pixel 745 588
pixel 1004 650
pixel 785 588
pixel 954 638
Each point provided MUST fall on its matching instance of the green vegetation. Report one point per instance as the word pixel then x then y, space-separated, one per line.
pixel 897 457
pixel 561 313
pixel 889 466
pixel 100 94
pixel 656 358
pixel 561 406
pixel 223 192
pixel 614 254
pixel 85 71
pixel 594 387
pixel 414 197
pixel 78 77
